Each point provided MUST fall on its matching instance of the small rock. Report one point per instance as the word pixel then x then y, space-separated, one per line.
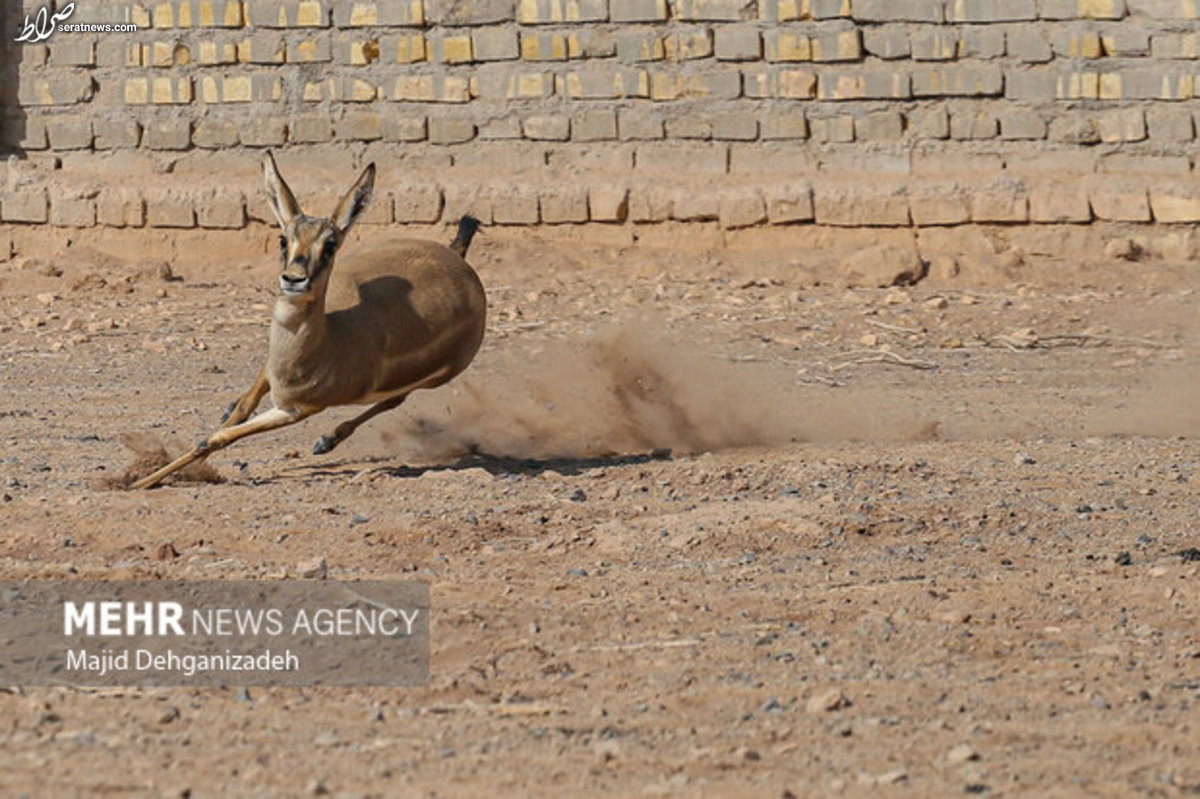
pixel 1123 559
pixel 607 750
pixel 578 495
pixel 577 572
pixel 936 303
pixel 167 551
pixel 317 788
pixel 169 715
pixel 314 569
pixel 1190 555
pixel 48 298
pixel 826 701
pixel 883 266
pixel 1021 459
pixel 1124 249
pixel 243 694
pixel 961 754
pixel 49 270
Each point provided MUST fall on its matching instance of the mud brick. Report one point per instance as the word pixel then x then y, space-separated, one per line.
pixel 738 44
pixel 604 82
pixel 563 204
pixel 170 210
pixel 843 45
pixel 69 134
pixel 770 160
pixel 509 85
pixel 694 206
pixel 214 133
pixel 1001 201
pixel 789 202
pixel 1163 45
pixel 1145 164
pixel 982 41
pixel 6 248
pixel 864 85
pixel 682 159
pixel 1124 42
pixel 405 128
pixel 72 51
pixel 431 89
pixel 1170 124
pixel 990 10
pixel 116 52
pixel 546 127
pixel 1082 9
pixel 972 124
pixel 544 47
pixel 637 10
pixel 935 45
pixel 383 13
pixel 169 134
pixel 264 47
pixel 25 205
pixel 740 208
pixel 898 10
pixel 828 9
pixel 1177 202
pixel 958 80
pixel 359 126
pixel 734 126
pixel 1021 124
pixel 594 125
pixel 650 203
pixel 938 204
pixel 789 124
pixel 310 129
pixel 887 42
pixel 1028 43
pixel 688 45
pixel 1149 83
pixel 639 125
pixel 608 203
pixel 221 209
pixel 64 90
pixel 287 14
pixel 789 45
pixel 689 127
pixel 1031 84
pixel 73 212
pixel 419 203
pixel 158 91
pixel 832 129
pixel 857 205
pixel 880 126
pixel 1114 201
pixel 782 10
pixel 1059 203
pixel 315 50
pixel 514 205
pixel 117 133
pixel 443 130
pixel 718 84
pixel 495 45
pixel 793 84
pixel 929 123
pixel 454 13
pixel 214 53
pixel 548 12
pixel 228 13
pixel 358 52
pixel 120 208
pixel 451 49
pixel 1122 125
pixel 714 10
pixel 263 131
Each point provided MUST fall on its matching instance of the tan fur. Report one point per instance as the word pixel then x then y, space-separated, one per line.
pixel 400 316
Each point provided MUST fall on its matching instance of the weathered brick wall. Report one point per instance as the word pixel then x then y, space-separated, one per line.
pixel 836 112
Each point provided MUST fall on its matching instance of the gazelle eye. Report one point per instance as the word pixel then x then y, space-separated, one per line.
pixel 327 250
pixel 283 244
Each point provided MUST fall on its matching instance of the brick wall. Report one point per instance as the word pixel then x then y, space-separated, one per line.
pixel 835 112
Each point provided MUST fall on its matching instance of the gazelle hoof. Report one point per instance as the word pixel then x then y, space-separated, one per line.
pixel 324 444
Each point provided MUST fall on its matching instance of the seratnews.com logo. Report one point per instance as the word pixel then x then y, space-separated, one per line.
pixel 47 22
pixel 150 633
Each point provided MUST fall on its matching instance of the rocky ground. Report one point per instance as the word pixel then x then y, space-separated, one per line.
pixel 697 523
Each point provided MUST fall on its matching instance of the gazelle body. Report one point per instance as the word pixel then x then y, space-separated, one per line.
pixel 405 315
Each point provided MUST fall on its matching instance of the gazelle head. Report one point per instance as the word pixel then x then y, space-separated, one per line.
pixel 309 244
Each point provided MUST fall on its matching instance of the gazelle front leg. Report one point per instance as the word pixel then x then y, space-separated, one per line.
pixel 269 420
pixel 240 410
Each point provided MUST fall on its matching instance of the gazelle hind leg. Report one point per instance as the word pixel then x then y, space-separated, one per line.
pixel 269 420
pixel 326 443
pixel 240 410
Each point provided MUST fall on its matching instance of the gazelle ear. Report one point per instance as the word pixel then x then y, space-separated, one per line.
pixel 280 197
pixel 355 202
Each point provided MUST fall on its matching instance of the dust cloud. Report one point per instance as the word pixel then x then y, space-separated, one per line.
pixel 150 455
pixel 628 389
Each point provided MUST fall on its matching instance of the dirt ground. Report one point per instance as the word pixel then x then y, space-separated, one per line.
pixel 697 523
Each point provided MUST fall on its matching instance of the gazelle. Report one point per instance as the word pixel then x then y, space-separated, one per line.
pixel 401 316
